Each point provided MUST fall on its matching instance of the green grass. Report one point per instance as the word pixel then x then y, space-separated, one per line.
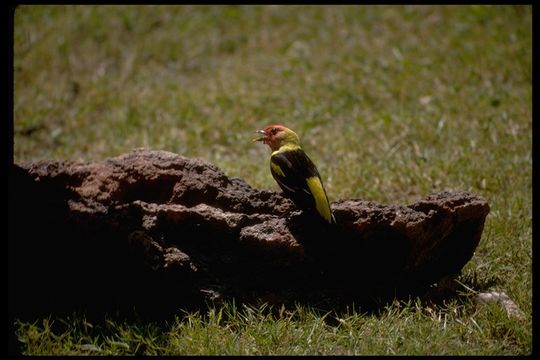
pixel 391 103
pixel 302 331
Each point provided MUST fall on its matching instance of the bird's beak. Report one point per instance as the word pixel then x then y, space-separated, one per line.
pixel 260 138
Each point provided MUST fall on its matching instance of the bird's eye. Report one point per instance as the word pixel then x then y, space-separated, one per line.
pixel 274 130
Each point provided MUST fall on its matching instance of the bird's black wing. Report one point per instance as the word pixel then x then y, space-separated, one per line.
pixel 291 168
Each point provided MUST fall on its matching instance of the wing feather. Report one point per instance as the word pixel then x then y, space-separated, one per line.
pixel 291 169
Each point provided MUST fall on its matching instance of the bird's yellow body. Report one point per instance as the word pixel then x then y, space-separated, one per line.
pixel 321 201
pixel 294 171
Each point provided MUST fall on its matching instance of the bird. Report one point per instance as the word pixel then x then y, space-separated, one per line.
pixel 294 171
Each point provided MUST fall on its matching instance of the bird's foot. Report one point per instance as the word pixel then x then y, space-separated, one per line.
pixel 292 214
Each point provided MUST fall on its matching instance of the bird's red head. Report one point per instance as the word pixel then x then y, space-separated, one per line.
pixel 276 136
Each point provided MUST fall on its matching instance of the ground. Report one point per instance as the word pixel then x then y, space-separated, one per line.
pixel 390 102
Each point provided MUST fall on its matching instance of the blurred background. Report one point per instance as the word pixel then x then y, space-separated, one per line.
pixel 389 101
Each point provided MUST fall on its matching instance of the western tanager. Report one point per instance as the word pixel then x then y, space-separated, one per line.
pixel 294 171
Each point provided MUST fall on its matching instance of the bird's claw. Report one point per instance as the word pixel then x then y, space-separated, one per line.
pixel 292 214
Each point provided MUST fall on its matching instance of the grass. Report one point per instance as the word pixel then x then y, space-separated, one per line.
pixel 253 330
pixel 391 103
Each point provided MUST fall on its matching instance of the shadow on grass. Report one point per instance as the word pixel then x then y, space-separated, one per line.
pixel 154 322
